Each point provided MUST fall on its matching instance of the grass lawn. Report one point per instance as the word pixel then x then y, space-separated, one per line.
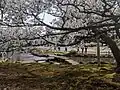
pixel 35 76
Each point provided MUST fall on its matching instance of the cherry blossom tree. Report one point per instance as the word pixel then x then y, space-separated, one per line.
pixel 95 17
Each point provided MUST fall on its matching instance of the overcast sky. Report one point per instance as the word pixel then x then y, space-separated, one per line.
pixel 48 18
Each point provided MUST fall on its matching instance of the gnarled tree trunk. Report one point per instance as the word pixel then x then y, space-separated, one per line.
pixel 114 48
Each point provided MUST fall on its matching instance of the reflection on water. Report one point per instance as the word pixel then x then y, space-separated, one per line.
pixel 86 60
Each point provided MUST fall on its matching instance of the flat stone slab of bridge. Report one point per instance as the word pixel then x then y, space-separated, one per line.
pixel 70 61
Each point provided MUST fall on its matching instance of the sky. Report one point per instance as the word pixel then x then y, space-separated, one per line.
pixel 48 18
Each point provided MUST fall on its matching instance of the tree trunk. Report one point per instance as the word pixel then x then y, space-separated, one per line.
pixel 114 48
pixel 98 51
pixel 117 32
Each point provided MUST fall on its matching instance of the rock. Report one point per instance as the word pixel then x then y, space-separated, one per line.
pixel 56 63
pixel 81 63
pixel 92 62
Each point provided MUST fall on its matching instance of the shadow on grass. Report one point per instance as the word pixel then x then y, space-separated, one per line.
pixel 36 76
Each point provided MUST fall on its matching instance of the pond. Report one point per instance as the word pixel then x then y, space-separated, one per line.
pixel 28 57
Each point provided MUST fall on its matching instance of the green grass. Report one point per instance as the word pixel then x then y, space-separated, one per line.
pixel 35 76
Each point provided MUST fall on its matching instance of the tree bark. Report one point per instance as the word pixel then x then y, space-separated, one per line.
pixel 98 51
pixel 117 31
pixel 114 48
